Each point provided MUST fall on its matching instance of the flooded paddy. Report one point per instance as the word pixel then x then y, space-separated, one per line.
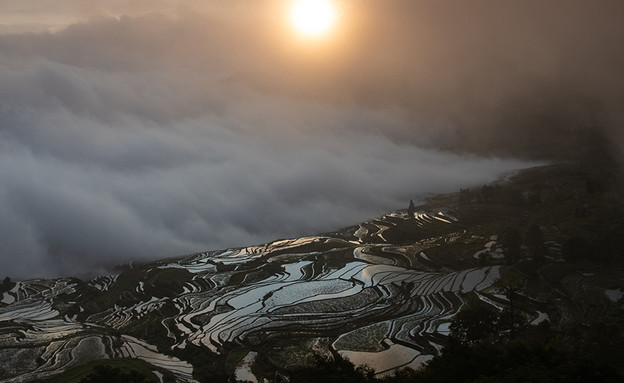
pixel 357 290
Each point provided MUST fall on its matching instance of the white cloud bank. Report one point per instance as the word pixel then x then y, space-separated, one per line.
pixel 109 152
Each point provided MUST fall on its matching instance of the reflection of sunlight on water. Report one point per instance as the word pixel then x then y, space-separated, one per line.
pixel 350 270
pixel 309 291
pixel 251 295
pixel 243 371
pixel 366 275
pixel 361 253
pixel 370 274
pixel 394 357
pixel 295 270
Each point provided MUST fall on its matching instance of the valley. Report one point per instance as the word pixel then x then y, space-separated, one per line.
pixel 382 293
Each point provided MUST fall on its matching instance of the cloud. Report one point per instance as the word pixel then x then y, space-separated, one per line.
pixel 142 137
pixel 117 157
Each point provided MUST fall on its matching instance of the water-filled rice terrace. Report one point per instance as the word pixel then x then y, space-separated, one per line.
pixel 378 293
pixel 381 293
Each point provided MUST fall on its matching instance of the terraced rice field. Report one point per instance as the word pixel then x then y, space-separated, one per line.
pixel 381 302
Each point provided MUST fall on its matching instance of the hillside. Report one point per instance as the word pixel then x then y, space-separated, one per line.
pixel 544 245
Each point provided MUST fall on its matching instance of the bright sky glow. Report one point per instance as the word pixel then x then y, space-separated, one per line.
pixel 313 18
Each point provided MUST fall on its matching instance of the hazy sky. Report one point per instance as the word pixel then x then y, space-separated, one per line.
pixel 145 129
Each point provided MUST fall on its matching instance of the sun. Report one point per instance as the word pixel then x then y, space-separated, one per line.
pixel 313 18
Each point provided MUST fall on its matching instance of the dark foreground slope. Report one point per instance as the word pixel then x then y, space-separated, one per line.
pixel 538 251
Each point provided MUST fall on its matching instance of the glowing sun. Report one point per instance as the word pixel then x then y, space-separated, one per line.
pixel 313 18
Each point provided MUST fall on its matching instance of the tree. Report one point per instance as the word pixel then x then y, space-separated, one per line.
pixel 510 320
pixel 6 284
pixel 107 374
pixel 465 196
pixel 575 248
pixel 486 194
pixel 535 242
pixel 475 324
pixel 593 186
pixel 535 194
pixel 411 210
pixel 333 370
pixel 511 242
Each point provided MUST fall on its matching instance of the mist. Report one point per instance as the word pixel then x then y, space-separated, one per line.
pixel 138 133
